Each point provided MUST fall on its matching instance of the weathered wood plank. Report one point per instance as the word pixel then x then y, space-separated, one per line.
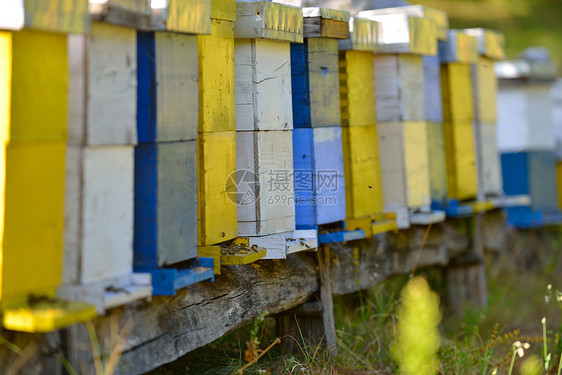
pixel 166 328
pixel 399 87
pixel 404 164
pixel 263 85
pixel 165 230
pixel 167 91
pixel 267 159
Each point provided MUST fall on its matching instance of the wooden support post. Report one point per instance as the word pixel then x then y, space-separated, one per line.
pixel 312 323
pixel 466 275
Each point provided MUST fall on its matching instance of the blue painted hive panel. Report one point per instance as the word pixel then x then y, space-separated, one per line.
pixel 319 178
pixel 432 78
pixel 167 91
pixel 532 173
pixel 165 230
pixel 315 83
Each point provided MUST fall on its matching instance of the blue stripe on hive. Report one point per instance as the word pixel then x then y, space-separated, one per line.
pixel 146 87
pixel 300 85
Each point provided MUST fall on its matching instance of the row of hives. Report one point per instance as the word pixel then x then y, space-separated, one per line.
pixel 146 147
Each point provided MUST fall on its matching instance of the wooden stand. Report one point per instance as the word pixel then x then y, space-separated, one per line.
pixel 312 324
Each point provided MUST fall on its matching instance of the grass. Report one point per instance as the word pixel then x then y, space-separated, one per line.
pixel 475 342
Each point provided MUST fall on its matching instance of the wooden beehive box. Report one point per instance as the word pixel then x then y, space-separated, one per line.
pixel 364 187
pixel 318 176
pixel 357 88
pixel 404 164
pixel 399 87
pixel 531 173
pixel 165 203
pixel 263 85
pixel 484 85
pixel 522 123
pixel 264 163
pixel 100 169
pixel 315 83
pixel 93 86
pixel 217 190
pixel 460 156
pixel 32 154
pixel 216 77
pixel 33 220
pixel 404 33
pixel 167 93
pixel 64 16
pixel 183 16
pixel 456 91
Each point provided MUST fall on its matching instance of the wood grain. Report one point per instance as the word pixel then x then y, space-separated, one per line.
pixel 216 166
pixel 165 230
pixel 39 65
pixel 399 88
pixel 99 213
pixel 32 252
pixel 357 88
pixel 268 155
pixel 167 93
pixel 216 77
pixel 363 179
pixel 263 85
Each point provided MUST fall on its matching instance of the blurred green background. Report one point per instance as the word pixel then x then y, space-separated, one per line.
pixel 525 23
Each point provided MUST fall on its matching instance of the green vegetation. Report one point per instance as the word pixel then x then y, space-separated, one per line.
pixel 525 23
pixel 374 338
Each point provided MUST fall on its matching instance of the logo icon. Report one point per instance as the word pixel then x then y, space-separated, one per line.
pixel 242 187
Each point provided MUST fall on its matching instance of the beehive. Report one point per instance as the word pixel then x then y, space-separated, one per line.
pixel 167 99
pixel 399 87
pixel 264 164
pixel 458 115
pixel 216 77
pixel 484 85
pixel 32 154
pixel 460 156
pixel 364 188
pixel 165 203
pixel 99 174
pixel 357 88
pixel 216 145
pixel 404 164
pixel 315 83
pixel 216 180
pixel 318 176
pixel 93 88
pixel 263 85
pixel 531 173
pixel 98 213
pixel 522 124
